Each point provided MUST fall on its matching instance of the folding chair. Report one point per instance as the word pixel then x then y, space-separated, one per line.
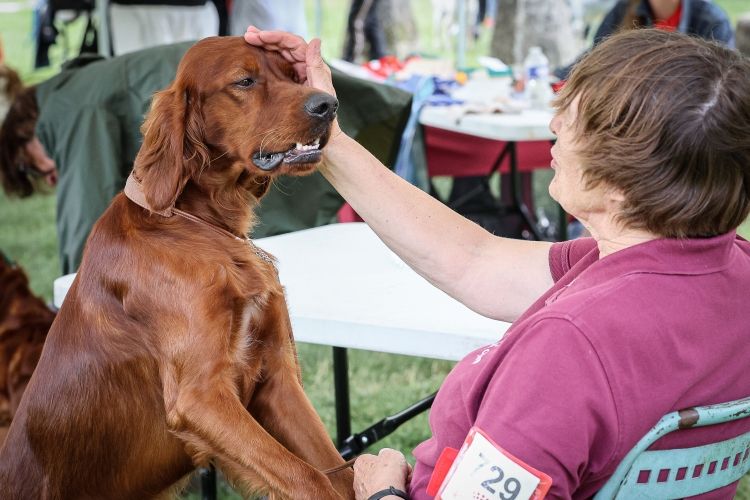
pixel 680 473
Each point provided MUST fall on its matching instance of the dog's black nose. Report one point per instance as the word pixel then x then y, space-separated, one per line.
pixel 322 106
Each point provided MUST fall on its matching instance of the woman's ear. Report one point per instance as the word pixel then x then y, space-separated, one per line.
pixel 173 147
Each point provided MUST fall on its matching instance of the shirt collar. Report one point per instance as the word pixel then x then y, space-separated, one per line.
pixel 669 256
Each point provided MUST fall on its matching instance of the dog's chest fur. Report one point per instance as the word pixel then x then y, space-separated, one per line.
pixel 255 341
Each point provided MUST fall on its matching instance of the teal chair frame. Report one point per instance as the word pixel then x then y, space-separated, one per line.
pixel 680 473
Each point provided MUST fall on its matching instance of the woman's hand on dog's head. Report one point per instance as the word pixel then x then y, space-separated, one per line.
pixel 305 57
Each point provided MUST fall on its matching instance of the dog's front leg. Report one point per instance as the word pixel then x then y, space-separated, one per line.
pixel 209 417
pixel 283 409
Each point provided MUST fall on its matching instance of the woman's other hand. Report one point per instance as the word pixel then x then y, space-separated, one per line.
pixel 375 473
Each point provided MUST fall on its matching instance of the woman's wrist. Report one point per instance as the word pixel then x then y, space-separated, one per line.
pixel 337 142
pixel 337 135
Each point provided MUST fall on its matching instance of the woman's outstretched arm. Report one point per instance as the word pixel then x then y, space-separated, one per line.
pixel 497 277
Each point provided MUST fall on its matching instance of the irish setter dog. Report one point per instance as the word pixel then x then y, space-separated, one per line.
pixel 24 323
pixel 173 347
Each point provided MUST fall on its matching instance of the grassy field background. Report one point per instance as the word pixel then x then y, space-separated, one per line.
pixel 381 384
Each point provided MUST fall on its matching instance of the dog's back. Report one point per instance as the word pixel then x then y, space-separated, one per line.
pixel 90 421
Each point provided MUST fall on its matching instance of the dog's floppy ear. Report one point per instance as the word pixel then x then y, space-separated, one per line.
pixel 16 130
pixel 172 147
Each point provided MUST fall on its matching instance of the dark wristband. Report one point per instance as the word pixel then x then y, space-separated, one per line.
pixel 387 492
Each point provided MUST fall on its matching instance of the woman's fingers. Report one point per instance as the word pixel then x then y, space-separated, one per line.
pixel 305 57
pixel 317 72
pixel 291 47
pixel 281 41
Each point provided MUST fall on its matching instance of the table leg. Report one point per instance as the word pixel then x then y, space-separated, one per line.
pixel 208 483
pixel 341 392
pixel 517 200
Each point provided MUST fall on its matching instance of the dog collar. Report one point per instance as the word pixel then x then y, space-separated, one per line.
pixel 134 192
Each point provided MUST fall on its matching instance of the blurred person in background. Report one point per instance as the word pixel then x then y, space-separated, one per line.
pixel 363 29
pixel 701 18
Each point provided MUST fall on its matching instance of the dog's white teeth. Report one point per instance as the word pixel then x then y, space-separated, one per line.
pixel 307 147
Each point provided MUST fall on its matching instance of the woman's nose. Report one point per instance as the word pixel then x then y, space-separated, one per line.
pixel 554 124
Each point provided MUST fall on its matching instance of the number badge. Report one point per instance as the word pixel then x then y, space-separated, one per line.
pixel 484 471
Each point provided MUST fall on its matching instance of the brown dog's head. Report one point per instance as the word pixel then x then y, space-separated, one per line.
pixel 234 115
pixel 18 115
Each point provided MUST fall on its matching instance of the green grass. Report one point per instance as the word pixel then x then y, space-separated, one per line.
pixel 381 383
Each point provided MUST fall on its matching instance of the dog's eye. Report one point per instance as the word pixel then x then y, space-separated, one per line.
pixel 245 83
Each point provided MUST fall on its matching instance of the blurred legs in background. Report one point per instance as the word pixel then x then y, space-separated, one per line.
pixel 364 27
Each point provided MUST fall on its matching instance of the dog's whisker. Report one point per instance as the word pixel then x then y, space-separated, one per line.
pixel 280 188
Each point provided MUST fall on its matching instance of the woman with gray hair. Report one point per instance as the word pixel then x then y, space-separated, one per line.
pixel 609 333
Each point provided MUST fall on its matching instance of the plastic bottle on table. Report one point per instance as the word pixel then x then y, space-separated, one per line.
pixel 536 74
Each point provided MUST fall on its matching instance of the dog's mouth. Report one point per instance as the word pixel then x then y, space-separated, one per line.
pixel 297 154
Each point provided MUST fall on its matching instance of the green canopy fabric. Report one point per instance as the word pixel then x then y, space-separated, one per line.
pixel 89 123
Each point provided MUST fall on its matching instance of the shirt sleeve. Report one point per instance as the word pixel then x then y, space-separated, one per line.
pixel 711 22
pixel 565 254
pixel 722 32
pixel 549 404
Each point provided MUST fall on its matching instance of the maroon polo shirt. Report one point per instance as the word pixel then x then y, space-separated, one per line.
pixel 615 344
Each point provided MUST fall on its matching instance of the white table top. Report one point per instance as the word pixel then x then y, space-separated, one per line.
pixel 528 125
pixel 346 288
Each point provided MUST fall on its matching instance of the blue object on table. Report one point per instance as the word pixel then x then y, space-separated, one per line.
pixel 441 96
pixel 680 473
pixel 422 89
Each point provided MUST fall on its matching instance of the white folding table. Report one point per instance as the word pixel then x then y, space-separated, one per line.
pixel 528 125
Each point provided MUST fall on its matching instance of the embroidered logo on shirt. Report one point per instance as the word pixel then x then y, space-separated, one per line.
pixel 485 471
pixel 484 352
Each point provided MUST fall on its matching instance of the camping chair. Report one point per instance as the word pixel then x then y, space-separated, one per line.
pixel 47 29
pixel 680 473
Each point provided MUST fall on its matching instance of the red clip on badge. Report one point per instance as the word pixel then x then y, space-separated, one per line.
pixel 442 466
